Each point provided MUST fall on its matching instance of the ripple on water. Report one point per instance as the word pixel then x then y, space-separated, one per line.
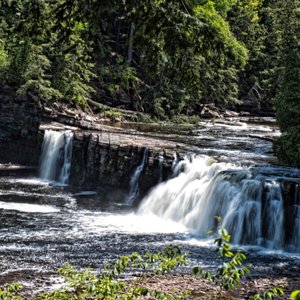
pixel 44 226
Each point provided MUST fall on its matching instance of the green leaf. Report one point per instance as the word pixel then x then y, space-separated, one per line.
pixel 295 295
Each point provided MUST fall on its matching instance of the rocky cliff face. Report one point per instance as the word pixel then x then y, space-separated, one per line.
pixel 108 161
pixel 19 125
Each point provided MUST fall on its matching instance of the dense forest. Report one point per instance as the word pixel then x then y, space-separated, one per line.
pixel 165 58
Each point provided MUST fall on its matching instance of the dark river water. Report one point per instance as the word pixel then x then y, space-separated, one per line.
pixel 42 226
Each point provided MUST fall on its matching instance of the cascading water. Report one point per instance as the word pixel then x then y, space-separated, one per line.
pixel 56 156
pixel 250 204
pixel 160 167
pixel 177 166
pixel 174 164
pixel 134 182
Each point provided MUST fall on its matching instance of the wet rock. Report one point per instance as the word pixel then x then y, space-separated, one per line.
pixel 19 127
pixel 109 160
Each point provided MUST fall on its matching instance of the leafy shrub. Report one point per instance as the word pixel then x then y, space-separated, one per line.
pixel 270 294
pixel 10 292
pixel 114 115
pixel 287 147
pixel 109 285
pixel 85 284
pixel 229 274
pixel 295 295
pixel 183 119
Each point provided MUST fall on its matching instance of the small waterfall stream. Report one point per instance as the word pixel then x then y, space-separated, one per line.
pixel 174 167
pixel 160 168
pixel 56 156
pixel 250 204
pixel 134 182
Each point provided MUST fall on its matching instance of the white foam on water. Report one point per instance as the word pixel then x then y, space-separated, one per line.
pixel 56 156
pixel 250 205
pixel 29 181
pixel 25 181
pixel 127 223
pixel 134 182
pixel 30 208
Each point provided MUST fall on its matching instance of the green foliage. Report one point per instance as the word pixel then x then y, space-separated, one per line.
pixel 72 67
pixel 246 23
pixel 229 275
pixel 198 66
pixel 287 147
pixel 209 14
pixel 119 79
pixel 287 30
pixel 287 27
pixel 163 57
pixel 35 76
pixel 270 294
pixel 183 119
pixel 183 52
pixel 86 284
pixel 29 41
pixel 3 55
pixel 295 295
pixel 110 283
pixel 114 115
pixel 10 292
pixel 37 61
pixel 4 63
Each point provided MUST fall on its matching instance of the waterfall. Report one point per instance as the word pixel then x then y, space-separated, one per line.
pixel 275 215
pixel 174 164
pixel 160 167
pixel 134 182
pixel 56 156
pixel 250 205
pixel 175 161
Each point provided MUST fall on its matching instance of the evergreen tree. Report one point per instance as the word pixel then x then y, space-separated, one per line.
pixel 163 57
pixel 287 30
pixel 246 21
pixel 72 68
pixel 188 53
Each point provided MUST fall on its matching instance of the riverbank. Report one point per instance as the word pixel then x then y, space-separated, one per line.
pixel 201 289
pixel 180 284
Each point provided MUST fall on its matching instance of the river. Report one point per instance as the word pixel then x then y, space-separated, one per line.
pixel 45 224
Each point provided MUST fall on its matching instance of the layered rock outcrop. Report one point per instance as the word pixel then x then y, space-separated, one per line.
pixel 19 127
pixel 108 160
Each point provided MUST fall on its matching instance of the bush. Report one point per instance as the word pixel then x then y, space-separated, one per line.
pixel 85 284
pixel 10 292
pixel 114 115
pixel 230 273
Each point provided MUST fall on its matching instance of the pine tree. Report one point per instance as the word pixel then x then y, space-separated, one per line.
pixel 287 31
pixel 246 21
pixel 72 67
